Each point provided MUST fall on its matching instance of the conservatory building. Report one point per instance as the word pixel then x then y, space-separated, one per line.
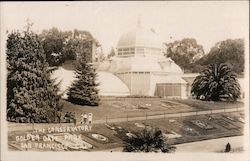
pixel 140 65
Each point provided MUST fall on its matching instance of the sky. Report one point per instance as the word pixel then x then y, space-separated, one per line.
pixel 208 22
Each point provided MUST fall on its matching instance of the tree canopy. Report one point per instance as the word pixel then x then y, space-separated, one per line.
pixel 53 41
pixel 60 46
pixel 31 93
pixel 229 51
pixel 185 53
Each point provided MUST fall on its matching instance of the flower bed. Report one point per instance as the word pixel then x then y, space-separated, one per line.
pixel 99 138
pixel 202 124
pixel 225 124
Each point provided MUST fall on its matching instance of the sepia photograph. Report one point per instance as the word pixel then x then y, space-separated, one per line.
pixel 125 80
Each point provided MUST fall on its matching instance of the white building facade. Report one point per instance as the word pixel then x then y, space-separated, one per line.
pixel 140 64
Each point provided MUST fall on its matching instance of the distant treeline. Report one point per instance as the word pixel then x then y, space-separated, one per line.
pixel 60 46
pixel 191 57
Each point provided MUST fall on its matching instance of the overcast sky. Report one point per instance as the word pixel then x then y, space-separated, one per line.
pixel 208 22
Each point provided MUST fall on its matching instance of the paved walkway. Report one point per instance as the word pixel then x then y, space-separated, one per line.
pixel 25 127
pixel 213 145
pixel 206 146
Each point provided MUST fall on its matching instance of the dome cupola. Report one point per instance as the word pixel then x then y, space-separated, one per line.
pixel 139 42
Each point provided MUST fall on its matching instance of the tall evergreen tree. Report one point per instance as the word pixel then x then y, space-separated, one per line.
pixel 31 93
pixel 83 90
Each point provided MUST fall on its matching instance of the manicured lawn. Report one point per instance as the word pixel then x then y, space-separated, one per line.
pixel 116 108
pixel 134 107
pixel 206 105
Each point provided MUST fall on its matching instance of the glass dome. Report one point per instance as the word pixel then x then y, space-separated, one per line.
pixel 66 77
pixel 139 42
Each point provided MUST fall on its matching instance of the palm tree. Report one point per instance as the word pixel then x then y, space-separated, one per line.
pixel 216 83
pixel 147 140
